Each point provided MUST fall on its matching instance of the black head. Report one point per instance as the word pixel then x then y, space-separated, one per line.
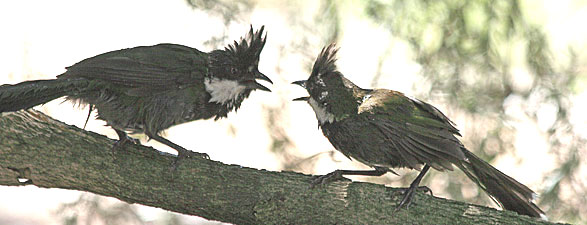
pixel 327 87
pixel 239 61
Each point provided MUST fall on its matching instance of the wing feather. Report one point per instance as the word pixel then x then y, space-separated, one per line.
pixel 162 66
pixel 419 132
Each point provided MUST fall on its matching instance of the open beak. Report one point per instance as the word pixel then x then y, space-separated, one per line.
pixel 252 84
pixel 259 75
pixel 302 83
pixel 301 98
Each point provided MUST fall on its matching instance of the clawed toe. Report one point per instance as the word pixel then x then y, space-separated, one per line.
pixel 191 154
pixel 123 139
pixel 408 196
pixel 183 154
pixel 425 190
pixel 122 142
pixel 328 178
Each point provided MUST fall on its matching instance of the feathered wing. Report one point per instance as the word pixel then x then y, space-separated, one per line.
pixel 418 136
pixel 422 134
pixel 158 67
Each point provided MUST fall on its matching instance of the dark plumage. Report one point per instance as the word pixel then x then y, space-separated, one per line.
pixel 385 129
pixel 148 89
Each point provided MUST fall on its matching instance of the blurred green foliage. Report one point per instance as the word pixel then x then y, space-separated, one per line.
pixel 467 50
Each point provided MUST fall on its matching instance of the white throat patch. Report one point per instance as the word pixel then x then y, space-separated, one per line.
pixel 321 114
pixel 223 91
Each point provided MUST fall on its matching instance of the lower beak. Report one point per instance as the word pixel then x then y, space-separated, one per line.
pixel 301 99
pixel 252 84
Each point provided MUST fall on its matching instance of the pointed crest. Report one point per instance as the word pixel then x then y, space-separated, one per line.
pixel 249 47
pixel 325 63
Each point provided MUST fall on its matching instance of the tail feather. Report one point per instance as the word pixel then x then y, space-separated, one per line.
pixel 31 93
pixel 507 192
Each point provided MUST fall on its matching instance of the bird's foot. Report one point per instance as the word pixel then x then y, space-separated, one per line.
pixel 408 196
pixel 328 178
pixel 123 141
pixel 183 154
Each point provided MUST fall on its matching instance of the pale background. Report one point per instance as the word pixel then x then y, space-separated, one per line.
pixel 40 38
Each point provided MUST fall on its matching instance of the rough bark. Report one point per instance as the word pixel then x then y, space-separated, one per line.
pixel 51 154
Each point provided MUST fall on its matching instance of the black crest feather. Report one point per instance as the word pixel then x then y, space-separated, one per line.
pixel 325 63
pixel 249 47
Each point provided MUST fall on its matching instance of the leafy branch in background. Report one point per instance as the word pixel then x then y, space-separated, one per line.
pixel 469 50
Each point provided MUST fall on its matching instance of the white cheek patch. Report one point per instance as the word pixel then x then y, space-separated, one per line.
pixel 223 91
pixel 321 114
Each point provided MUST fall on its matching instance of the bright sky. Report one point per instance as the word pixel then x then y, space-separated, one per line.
pixel 40 38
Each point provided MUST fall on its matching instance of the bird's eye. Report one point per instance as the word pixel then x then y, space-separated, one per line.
pixel 233 70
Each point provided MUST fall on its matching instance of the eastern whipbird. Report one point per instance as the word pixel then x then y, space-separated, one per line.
pixel 385 129
pixel 148 89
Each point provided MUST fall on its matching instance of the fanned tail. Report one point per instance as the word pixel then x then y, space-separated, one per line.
pixel 509 193
pixel 31 93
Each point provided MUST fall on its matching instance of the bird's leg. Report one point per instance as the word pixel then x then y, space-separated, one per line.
pixel 123 138
pixel 88 118
pixel 182 153
pixel 338 175
pixel 409 193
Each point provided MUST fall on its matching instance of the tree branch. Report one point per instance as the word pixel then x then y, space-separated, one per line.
pixel 47 153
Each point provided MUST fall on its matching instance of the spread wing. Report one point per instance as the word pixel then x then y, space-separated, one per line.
pixel 157 67
pixel 418 131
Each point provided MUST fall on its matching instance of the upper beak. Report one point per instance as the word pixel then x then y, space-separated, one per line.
pixel 300 82
pixel 259 75
pixel 252 84
pixel 301 99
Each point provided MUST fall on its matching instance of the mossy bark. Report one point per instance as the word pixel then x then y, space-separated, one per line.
pixel 50 154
